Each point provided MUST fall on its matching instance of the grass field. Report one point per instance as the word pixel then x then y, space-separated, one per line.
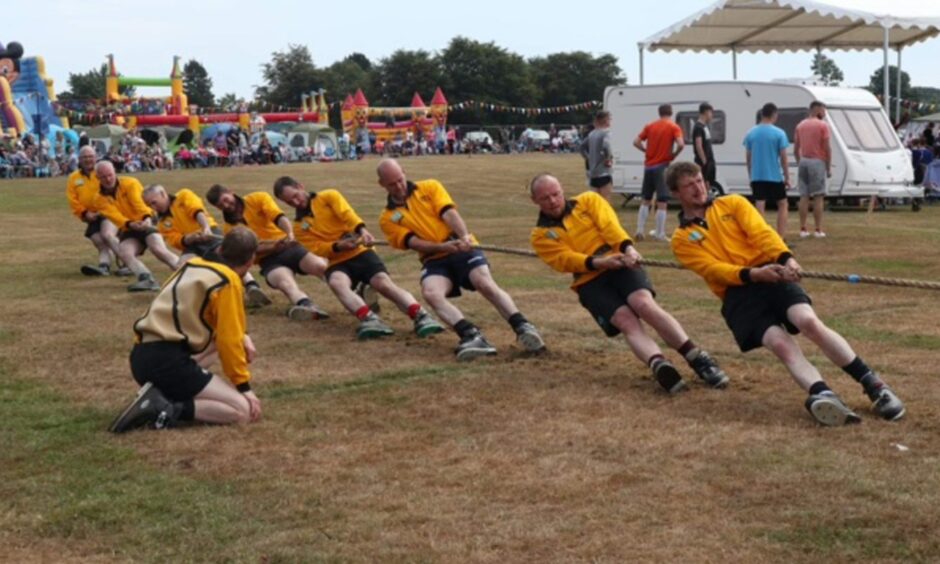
pixel 390 451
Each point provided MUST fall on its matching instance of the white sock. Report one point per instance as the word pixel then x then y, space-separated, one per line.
pixel 641 219
pixel 661 223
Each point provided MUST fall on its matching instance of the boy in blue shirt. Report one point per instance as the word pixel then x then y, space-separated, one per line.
pixel 767 169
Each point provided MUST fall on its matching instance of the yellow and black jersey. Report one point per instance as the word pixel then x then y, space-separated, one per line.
pixel 588 228
pixel 80 188
pixel 327 219
pixel 199 304
pixel 420 216
pixel 731 239
pixel 180 218
pixel 122 206
pixel 259 212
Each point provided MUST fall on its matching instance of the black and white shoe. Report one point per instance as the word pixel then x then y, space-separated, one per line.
pixel 667 376
pixel 888 405
pixel 150 407
pixel 92 270
pixel 530 339
pixel 708 370
pixel 473 346
pixel 828 410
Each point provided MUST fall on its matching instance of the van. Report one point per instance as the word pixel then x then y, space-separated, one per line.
pixel 867 155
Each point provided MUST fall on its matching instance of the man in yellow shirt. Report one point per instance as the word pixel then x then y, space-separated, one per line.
pixel 197 316
pixel 582 236
pixel 120 200
pixel 101 232
pixel 329 227
pixel 421 216
pixel 280 256
pixel 746 264
pixel 186 225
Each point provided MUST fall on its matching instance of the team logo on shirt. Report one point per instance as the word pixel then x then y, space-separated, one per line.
pixel 168 223
pixel 305 226
pixel 80 182
pixel 696 237
pixel 551 235
pixel 397 217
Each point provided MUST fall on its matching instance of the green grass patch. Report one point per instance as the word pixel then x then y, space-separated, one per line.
pixel 371 381
pixel 890 266
pixel 851 330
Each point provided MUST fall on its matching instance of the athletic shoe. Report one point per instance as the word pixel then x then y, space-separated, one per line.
pixel 828 409
pixel 124 272
pixel 638 236
pixel 372 327
pixel 255 297
pixel 425 325
pixel 804 234
pixel 667 376
pixel 91 270
pixel 888 405
pixel 369 296
pixel 528 336
pixel 709 371
pixel 659 238
pixel 819 234
pixel 145 283
pixel 150 407
pixel 472 346
pixel 310 312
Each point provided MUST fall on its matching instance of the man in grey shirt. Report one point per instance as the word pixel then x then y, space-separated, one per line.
pixel 596 152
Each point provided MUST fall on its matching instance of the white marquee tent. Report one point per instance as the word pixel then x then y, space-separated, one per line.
pixel 737 26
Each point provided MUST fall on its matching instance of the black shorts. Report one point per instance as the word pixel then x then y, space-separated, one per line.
pixel 289 257
pixel 171 368
pixel 601 181
pixel 773 191
pixel 608 292
pixel 456 268
pixel 654 182
pixel 93 227
pixel 140 236
pixel 360 269
pixel 709 172
pixel 752 309
pixel 208 250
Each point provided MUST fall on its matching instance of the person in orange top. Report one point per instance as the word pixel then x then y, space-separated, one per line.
pixel 120 200
pixel 101 232
pixel 280 256
pixel 327 225
pixel 197 317
pixel 583 236
pixel 660 141
pixel 421 216
pixel 745 263
pixel 813 152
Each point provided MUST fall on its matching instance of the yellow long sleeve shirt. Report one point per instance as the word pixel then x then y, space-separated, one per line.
pixel 588 228
pixel 259 212
pixel 125 205
pixel 420 216
pixel 77 185
pixel 328 218
pixel 731 239
pixel 180 218
pixel 200 304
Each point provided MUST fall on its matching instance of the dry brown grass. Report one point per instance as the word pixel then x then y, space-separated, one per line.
pixel 391 451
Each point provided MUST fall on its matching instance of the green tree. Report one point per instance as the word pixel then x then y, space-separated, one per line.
pixel 563 79
pixel 876 84
pixel 361 60
pixel 397 77
pixel 289 74
pixel 230 102
pixel 91 85
pixel 827 70
pixel 197 84
pixel 487 73
pixel 344 77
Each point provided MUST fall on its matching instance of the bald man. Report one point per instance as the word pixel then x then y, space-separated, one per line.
pixel 120 200
pixel 421 216
pixel 101 232
pixel 583 236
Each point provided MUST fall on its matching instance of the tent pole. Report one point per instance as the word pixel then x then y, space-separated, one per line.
pixel 734 63
pixel 641 63
pixel 897 96
pixel 887 89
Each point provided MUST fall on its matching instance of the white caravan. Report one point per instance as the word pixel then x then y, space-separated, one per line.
pixel 867 155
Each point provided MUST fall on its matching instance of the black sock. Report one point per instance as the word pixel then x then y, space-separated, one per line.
pixel 857 369
pixel 186 410
pixel 304 302
pixel 517 319
pixel 653 359
pixel 818 388
pixel 464 328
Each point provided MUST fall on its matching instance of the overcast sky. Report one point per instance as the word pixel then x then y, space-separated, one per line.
pixel 233 39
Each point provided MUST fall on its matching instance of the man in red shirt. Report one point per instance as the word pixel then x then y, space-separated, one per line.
pixel 814 157
pixel 660 141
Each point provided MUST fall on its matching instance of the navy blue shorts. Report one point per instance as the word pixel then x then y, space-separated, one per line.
pixel 456 268
pixel 360 269
pixel 607 293
pixel 752 309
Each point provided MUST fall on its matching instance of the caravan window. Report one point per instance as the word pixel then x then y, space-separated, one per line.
pixel 864 130
pixel 788 119
pixel 686 121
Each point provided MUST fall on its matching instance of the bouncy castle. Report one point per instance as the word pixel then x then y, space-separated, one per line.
pixel 26 95
pixel 356 113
